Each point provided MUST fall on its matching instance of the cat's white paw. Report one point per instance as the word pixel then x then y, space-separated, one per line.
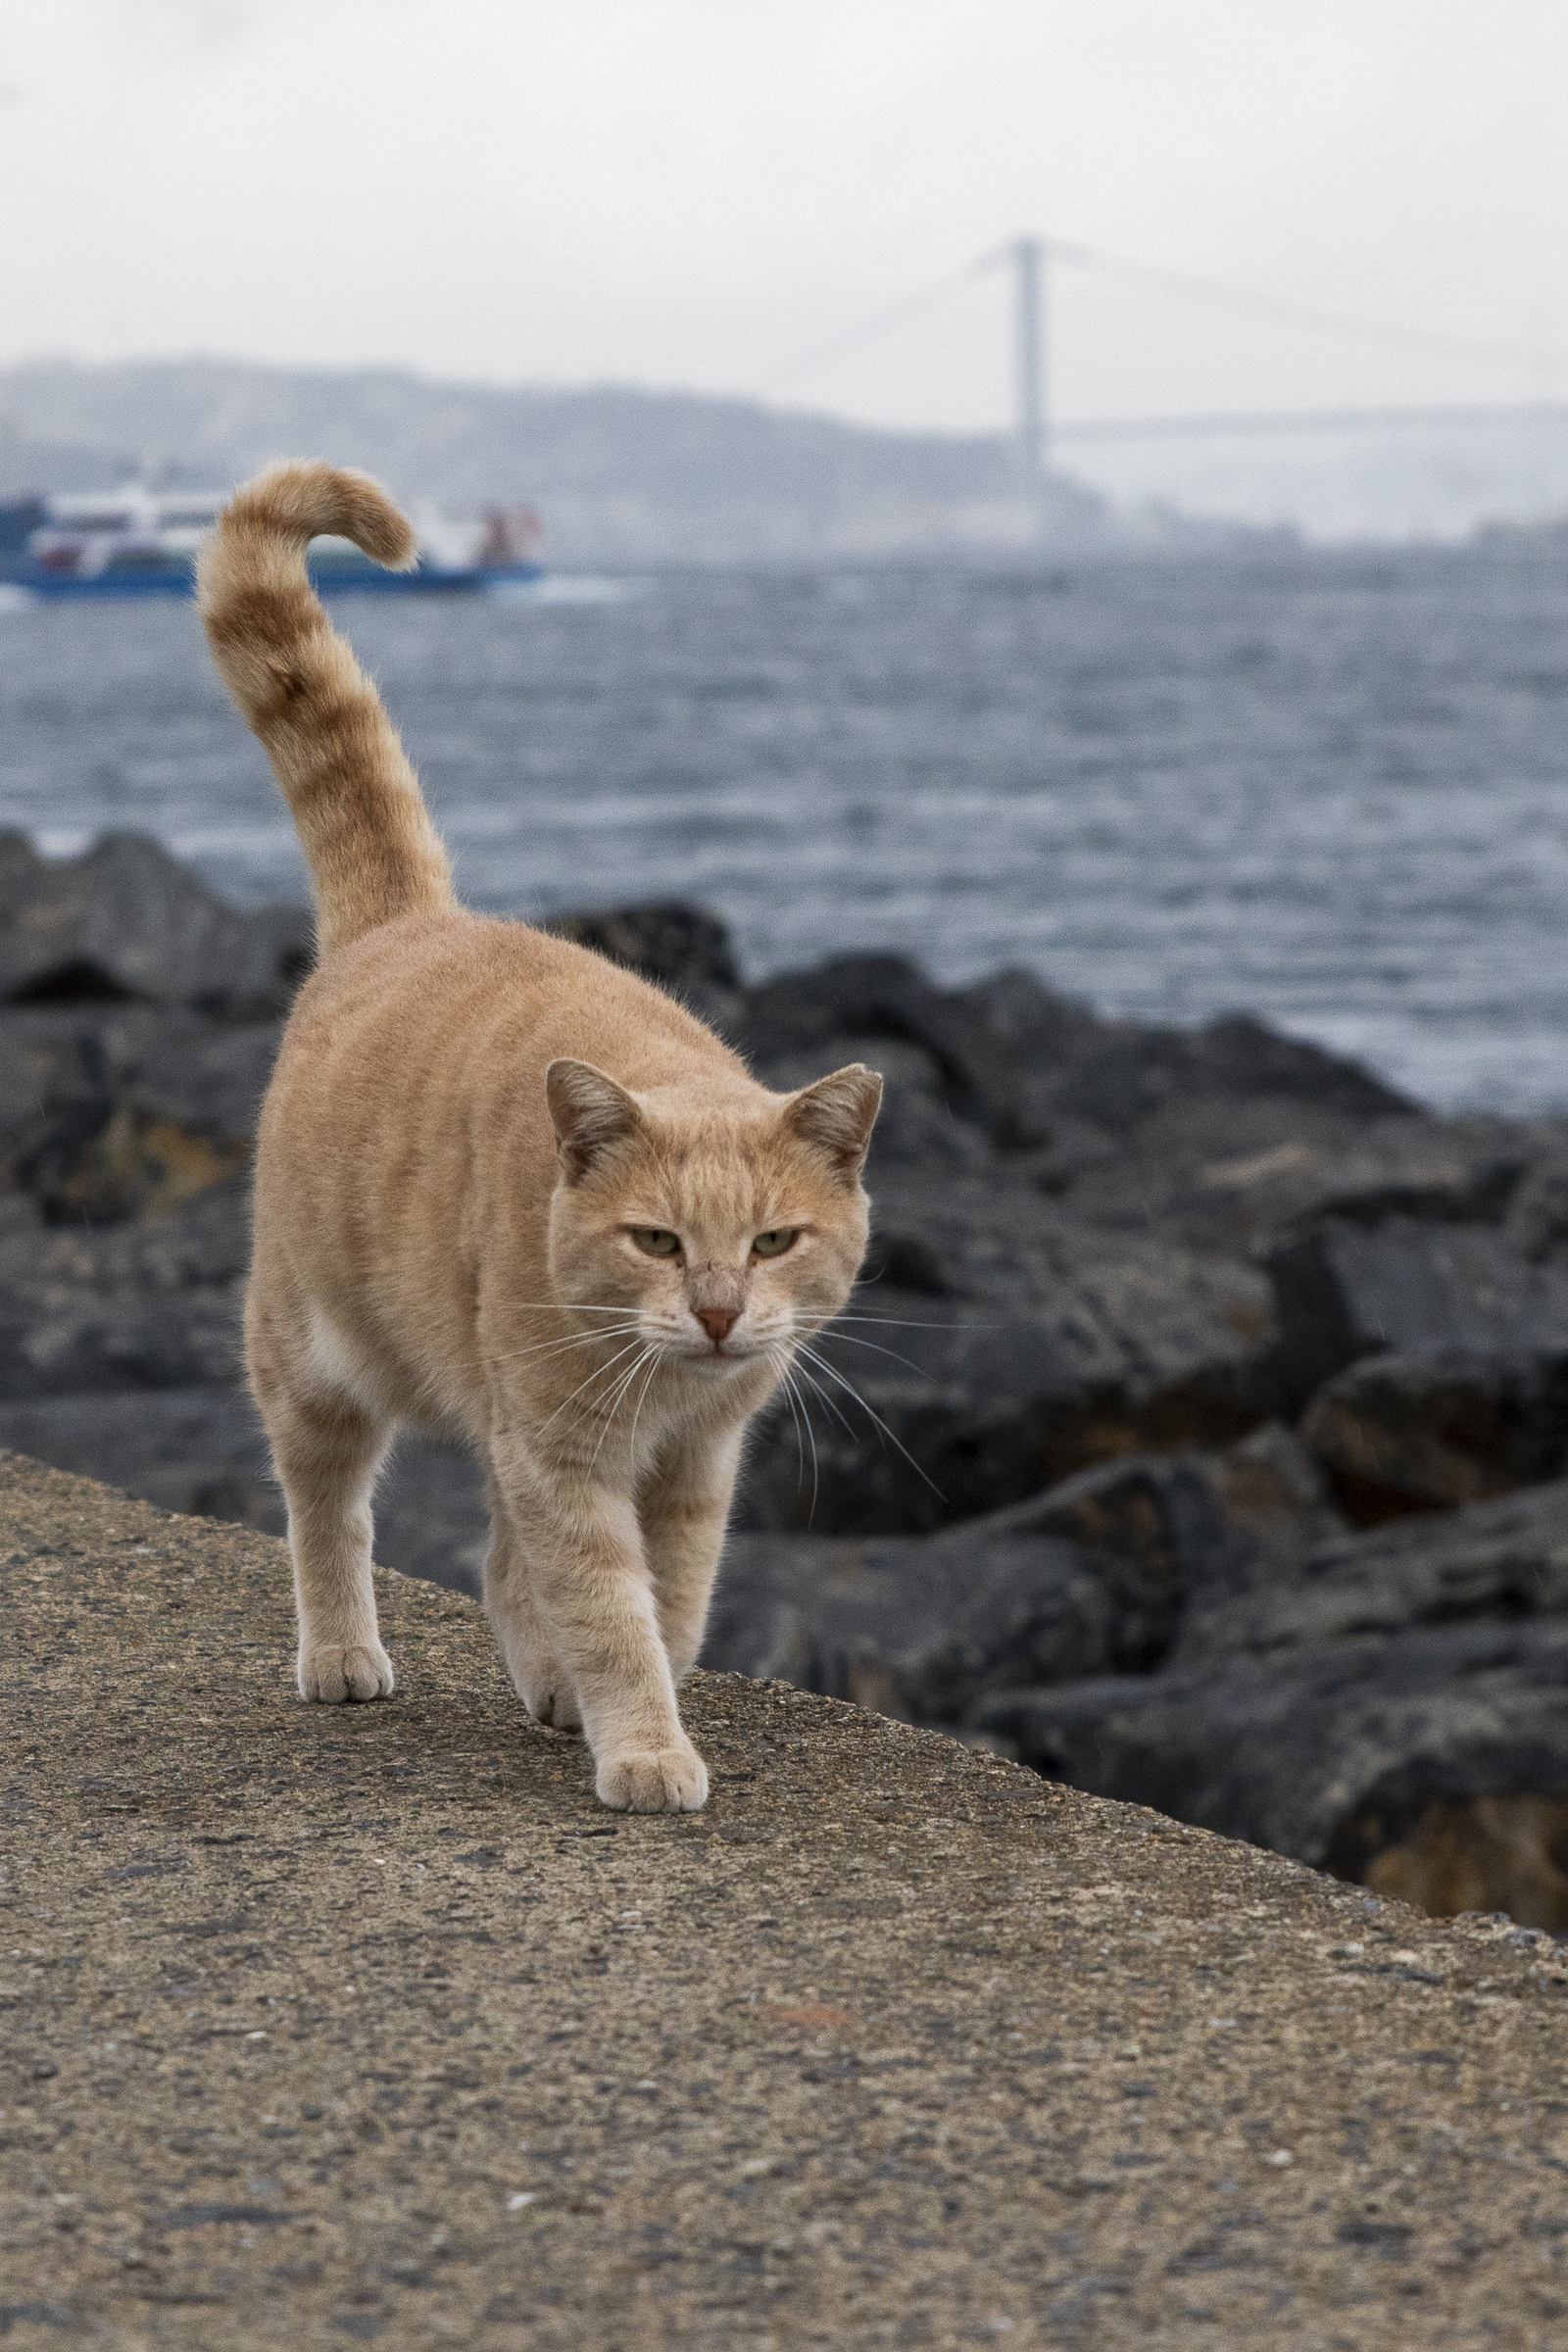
pixel 334 1673
pixel 659 1780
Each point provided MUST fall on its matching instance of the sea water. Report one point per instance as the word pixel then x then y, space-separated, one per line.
pixel 1330 788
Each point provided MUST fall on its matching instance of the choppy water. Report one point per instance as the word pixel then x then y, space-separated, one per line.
pixel 1332 788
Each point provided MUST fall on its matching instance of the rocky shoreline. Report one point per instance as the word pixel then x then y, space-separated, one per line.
pixel 1224 1451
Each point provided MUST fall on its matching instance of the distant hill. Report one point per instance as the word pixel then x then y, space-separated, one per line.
pixel 620 476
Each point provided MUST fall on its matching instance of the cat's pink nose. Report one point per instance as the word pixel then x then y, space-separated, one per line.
pixel 718 1321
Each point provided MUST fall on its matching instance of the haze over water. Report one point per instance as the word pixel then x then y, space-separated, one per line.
pixel 1329 787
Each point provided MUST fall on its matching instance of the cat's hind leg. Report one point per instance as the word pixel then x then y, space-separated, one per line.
pixel 327 1451
pixel 542 1681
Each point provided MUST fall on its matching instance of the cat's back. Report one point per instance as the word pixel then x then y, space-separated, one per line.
pixel 452 1012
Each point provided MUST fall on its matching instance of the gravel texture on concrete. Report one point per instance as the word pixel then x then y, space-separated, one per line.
pixel 368 2024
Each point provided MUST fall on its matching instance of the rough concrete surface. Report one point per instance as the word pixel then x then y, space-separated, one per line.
pixel 369 2023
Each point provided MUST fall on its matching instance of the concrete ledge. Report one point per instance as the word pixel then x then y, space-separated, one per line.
pixel 368 2023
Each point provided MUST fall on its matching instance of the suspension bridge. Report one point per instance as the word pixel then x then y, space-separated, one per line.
pixel 1033 262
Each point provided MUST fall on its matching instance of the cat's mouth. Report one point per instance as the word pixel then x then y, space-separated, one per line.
pixel 726 1351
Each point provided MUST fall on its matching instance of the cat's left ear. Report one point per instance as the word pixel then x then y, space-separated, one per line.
pixel 593 1115
pixel 836 1117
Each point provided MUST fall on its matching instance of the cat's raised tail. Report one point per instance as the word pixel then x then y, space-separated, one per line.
pixel 355 799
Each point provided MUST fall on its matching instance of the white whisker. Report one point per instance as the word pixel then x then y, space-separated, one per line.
pixel 611 1406
pixel 871 1411
pixel 576 1339
pixel 906 1323
pixel 563 1307
pixel 792 1390
pixel 788 1387
pixel 830 1401
pixel 598 1374
pixel 796 1400
pixel 642 1399
pixel 849 1341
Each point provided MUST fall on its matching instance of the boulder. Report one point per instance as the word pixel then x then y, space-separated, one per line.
pixel 1398 1434
pixel 921 1628
pixel 1349 1756
pixel 1097 1574
pixel 670 942
pixel 98 1161
pixel 196 1451
pixel 431 1516
pixel 867 997
pixel 1202 1525
pixel 1537 1223
pixel 1116 1075
pixel 155 1304
pixel 1501 1559
pixel 126 920
pixel 917 1132
pixel 997 1347
pixel 120 1112
pixel 1091 1577
pixel 1243 1176
pixel 202 1451
pixel 1347 1291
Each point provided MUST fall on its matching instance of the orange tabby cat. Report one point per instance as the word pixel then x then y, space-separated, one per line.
pixel 503 1187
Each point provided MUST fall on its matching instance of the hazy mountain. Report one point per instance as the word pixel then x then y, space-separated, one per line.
pixel 620 476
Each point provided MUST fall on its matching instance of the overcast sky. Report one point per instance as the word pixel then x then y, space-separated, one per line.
pixel 697 192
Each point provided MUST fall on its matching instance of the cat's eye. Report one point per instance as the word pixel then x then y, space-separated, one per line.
pixel 655 1242
pixel 774 1244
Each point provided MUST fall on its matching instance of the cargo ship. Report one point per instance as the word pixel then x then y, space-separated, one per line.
pixel 139 542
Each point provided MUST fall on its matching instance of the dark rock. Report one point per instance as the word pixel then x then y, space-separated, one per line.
pixel 1334 1756
pixel 99 1161
pixel 126 921
pixel 808 1013
pixel 1095 1575
pixel 1003 1347
pixel 667 941
pixel 1537 1223
pixel 171 1065
pixel 151 1306
pixel 1242 1175
pixel 1115 1075
pixel 202 1451
pixel 916 1132
pixel 1202 1526
pixel 59 1340
pixel 1346 1291
pixel 1418 1432
pixel 1501 1559
pixel 196 1451
pixel 1240 1057
pixel 432 1517
pixel 921 1628
pixel 125 1111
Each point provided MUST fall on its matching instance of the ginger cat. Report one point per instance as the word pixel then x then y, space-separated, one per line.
pixel 506 1188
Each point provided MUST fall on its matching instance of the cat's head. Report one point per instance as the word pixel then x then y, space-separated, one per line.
pixel 721 1221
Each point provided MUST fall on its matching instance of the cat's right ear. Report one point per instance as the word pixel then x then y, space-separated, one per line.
pixel 593 1115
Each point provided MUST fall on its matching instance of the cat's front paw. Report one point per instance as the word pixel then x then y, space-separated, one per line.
pixel 334 1673
pixel 659 1780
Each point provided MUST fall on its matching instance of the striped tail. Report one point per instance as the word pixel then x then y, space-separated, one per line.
pixel 355 799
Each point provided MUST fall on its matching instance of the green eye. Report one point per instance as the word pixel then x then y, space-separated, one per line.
pixel 656 1243
pixel 774 1244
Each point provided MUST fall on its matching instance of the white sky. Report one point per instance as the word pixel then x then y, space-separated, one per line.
pixel 696 191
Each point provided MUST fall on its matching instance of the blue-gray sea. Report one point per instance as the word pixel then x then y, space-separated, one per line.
pixel 1327 787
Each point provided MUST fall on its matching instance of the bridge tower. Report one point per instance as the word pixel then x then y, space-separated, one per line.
pixel 1031 261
